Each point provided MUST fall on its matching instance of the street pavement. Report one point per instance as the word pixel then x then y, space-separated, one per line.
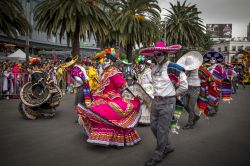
pixel 222 140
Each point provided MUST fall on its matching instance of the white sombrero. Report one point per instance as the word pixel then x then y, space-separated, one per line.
pixel 191 60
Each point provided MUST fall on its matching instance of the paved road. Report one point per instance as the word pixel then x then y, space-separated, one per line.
pixel 219 141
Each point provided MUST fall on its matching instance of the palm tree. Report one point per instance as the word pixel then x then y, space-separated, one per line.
pixel 184 26
pixel 12 18
pixel 75 18
pixel 135 20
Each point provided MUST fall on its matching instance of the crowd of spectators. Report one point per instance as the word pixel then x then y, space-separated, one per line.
pixel 13 75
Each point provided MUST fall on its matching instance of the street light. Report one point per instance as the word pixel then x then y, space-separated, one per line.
pixel 27 33
pixel 165 29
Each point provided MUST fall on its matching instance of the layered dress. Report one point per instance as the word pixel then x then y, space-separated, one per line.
pixel 110 119
pixel 145 80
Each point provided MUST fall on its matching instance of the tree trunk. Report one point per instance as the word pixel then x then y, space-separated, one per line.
pixel 129 49
pixel 76 41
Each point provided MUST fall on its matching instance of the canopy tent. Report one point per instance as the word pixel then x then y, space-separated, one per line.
pixel 18 55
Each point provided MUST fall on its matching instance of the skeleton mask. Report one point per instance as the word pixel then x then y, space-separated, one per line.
pixel 142 67
pixel 159 57
pixel 107 63
pixel 213 60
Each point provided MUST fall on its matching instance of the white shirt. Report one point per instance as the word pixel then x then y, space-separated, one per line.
pixel 193 78
pixel 163 85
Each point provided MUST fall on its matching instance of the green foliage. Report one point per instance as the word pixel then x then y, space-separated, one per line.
pixel 184 26
pixel 75 18
pixel 206 43
pixel 136 22
pixel 12 18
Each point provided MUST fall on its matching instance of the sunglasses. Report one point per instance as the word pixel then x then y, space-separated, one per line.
pixel 158 54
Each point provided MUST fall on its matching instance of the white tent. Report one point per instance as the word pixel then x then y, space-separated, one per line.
pixel 18 55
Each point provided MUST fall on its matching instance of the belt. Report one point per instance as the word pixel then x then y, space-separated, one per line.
pixel 162 97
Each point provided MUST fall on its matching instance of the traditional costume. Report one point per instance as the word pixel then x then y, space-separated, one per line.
pixel 219 74
pixel 191 61
pixel 92 75
pixel 39 97
pixel 110 119
pixel 209 96
pixel 169 81
pixel 145 80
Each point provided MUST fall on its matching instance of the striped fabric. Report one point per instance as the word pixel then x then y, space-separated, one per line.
pixel 179 108
pixel 209 95
pixel 174 71
pixel 220 78
pixel 86 89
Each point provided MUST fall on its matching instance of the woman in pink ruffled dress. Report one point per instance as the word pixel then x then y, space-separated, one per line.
pixel 110 119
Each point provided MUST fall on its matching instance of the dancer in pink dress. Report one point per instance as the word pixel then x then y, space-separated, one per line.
pixel 110 119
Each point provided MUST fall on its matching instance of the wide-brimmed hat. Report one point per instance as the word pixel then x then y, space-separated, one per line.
pixel 125 61
pixel 191 60
pixel 160 47
pixel 71 62
pixel 207 56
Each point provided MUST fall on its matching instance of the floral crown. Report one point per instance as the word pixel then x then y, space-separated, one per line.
pixel 112 54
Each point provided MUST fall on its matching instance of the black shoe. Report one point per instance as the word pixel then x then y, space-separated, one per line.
pixel 167 151
pixel 151 162
pixel 196 119
pixel 188 126
pixel 211 114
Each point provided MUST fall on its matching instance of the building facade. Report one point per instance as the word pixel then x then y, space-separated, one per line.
pixel 40 43
pixel 248 32
pixel 231 49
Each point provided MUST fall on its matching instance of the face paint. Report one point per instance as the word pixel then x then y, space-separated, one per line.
pixel 159 57
pixel 142 67
pixel 213 60
pixel 107 63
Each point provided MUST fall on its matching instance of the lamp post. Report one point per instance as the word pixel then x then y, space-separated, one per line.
pixel 27 43
pixel 165 29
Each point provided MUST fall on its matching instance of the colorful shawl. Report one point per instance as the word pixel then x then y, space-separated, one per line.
pixel 78 72
pixel 209 95
pixel 220 78
pixel 174 71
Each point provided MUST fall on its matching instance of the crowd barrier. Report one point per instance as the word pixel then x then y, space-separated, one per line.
pixel 11 86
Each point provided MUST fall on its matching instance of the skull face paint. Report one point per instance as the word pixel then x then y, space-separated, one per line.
pixel 213 60
pixel 107 63
pixel 141 67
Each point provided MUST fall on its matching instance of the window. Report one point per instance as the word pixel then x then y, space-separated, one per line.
pixel 233 48
pixel 225 48
pixel 240 48
pixel 219 49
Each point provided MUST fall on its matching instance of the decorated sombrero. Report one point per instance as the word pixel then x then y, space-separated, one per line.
pixel 110 53
pixel 218 56
pixel 191 60
pixel 35 93
pixel 160 47
pixel 70 62
pixel 125 61
pixel 99 57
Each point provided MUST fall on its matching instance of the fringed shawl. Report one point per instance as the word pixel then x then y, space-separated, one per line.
pixel 209 95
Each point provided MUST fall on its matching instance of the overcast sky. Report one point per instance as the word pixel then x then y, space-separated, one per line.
pixel 236 12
